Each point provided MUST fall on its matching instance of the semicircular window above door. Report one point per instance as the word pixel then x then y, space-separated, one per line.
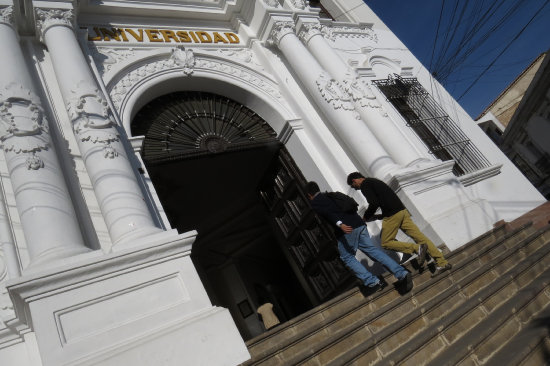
pixel 195 123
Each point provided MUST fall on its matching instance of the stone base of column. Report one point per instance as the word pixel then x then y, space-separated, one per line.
pixel 134 307
pixel 440 205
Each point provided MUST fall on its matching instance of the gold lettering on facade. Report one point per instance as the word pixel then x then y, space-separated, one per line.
pixel 102 34
pixel 153 35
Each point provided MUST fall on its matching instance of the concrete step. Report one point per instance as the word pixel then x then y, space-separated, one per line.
pixel 317 329
pixel 491 335
pixel 376 340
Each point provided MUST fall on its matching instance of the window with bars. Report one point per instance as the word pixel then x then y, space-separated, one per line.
pixel 444 139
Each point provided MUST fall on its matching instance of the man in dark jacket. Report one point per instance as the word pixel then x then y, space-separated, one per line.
pixel 351 235
pixel 394 217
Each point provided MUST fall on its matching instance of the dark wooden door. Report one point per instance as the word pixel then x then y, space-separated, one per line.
pixel 308 242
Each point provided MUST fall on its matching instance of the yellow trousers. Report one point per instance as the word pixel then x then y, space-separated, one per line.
pixel 402 220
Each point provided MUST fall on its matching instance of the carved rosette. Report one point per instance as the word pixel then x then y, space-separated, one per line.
pixel 47 18
pixel 334 94
pixel 91 118
pixel 280 29
pixel 309 30
pixel 6 16
pixel 183 58
pixel 23 125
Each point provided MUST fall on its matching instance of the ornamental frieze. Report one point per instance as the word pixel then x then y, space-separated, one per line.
pixel 123 86
pixel 105 58
pixel 332 33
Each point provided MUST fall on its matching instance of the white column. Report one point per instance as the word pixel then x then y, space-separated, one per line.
pixel 365 102
pixel 43 201
pixel 114 180
pixel 335 104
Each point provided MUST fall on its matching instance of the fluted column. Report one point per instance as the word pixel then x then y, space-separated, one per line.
pixel 114 181
pixel 334 102
pixel 371 111
pixel 43 201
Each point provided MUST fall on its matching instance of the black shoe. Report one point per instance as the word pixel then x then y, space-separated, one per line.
pixel 422 252
pixel 370 290
pixel 405 283
pixel 440 270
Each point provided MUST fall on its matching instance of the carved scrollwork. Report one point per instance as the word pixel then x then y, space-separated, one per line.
pixel 280 29
pixel 23 125
pixel 333 93
pixel 183 58
pixel 46 18
pixel 6 15
pixel 309 30
pixel 90 115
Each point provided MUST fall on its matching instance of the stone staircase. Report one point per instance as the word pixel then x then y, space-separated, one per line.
pixel 492 308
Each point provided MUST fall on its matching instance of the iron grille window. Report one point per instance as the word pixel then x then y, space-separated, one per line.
pixel 444 139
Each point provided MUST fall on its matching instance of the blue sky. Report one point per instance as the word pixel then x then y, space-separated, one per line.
pixel 415 22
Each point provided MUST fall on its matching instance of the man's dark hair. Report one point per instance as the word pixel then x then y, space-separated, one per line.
pixel 354 175
pixel 312 188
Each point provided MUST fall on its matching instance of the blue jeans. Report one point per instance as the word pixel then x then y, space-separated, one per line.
pixel 359 239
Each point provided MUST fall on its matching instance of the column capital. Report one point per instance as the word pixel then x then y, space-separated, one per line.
pixel 6 16
pixel 47 18
pixel 279 30
pixel 308 30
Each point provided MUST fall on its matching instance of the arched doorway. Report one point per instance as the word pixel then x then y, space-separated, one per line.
pixel 219 168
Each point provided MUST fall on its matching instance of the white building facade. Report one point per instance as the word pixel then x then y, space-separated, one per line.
pixel 153 160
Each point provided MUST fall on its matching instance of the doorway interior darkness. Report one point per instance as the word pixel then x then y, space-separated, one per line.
pixel 218 169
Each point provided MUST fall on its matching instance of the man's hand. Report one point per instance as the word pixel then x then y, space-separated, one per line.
pixel 346 229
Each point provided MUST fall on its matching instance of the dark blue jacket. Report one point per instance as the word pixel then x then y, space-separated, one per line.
pixel 327 209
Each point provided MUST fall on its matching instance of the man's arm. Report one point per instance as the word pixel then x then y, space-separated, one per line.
pixel 374 204
pixel 322 207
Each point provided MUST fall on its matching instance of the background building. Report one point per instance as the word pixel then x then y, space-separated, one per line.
pixel 154 155
pixel 517 121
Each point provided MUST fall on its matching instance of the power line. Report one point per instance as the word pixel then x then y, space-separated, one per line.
pixel 504 50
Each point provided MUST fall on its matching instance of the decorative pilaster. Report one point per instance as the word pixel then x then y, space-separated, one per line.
pixel 336 104
pixel 361 97
pixel 44 204
pixel 114 180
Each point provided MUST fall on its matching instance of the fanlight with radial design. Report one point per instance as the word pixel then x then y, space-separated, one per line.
pixel 194 123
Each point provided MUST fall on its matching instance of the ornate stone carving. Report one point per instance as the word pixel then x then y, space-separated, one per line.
pixel 6 15
pixel 119 91
pixel 361 93
pixel 34 162
pixel 242 55
pixel 280 29
pixel 272 3
pixel 299 4
pixel 349 32
pixel 46 18
pixel 183 58
pixel 23 126
pixel 105 58
pixel 91 118
pixel 309 30
pixel 334 94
